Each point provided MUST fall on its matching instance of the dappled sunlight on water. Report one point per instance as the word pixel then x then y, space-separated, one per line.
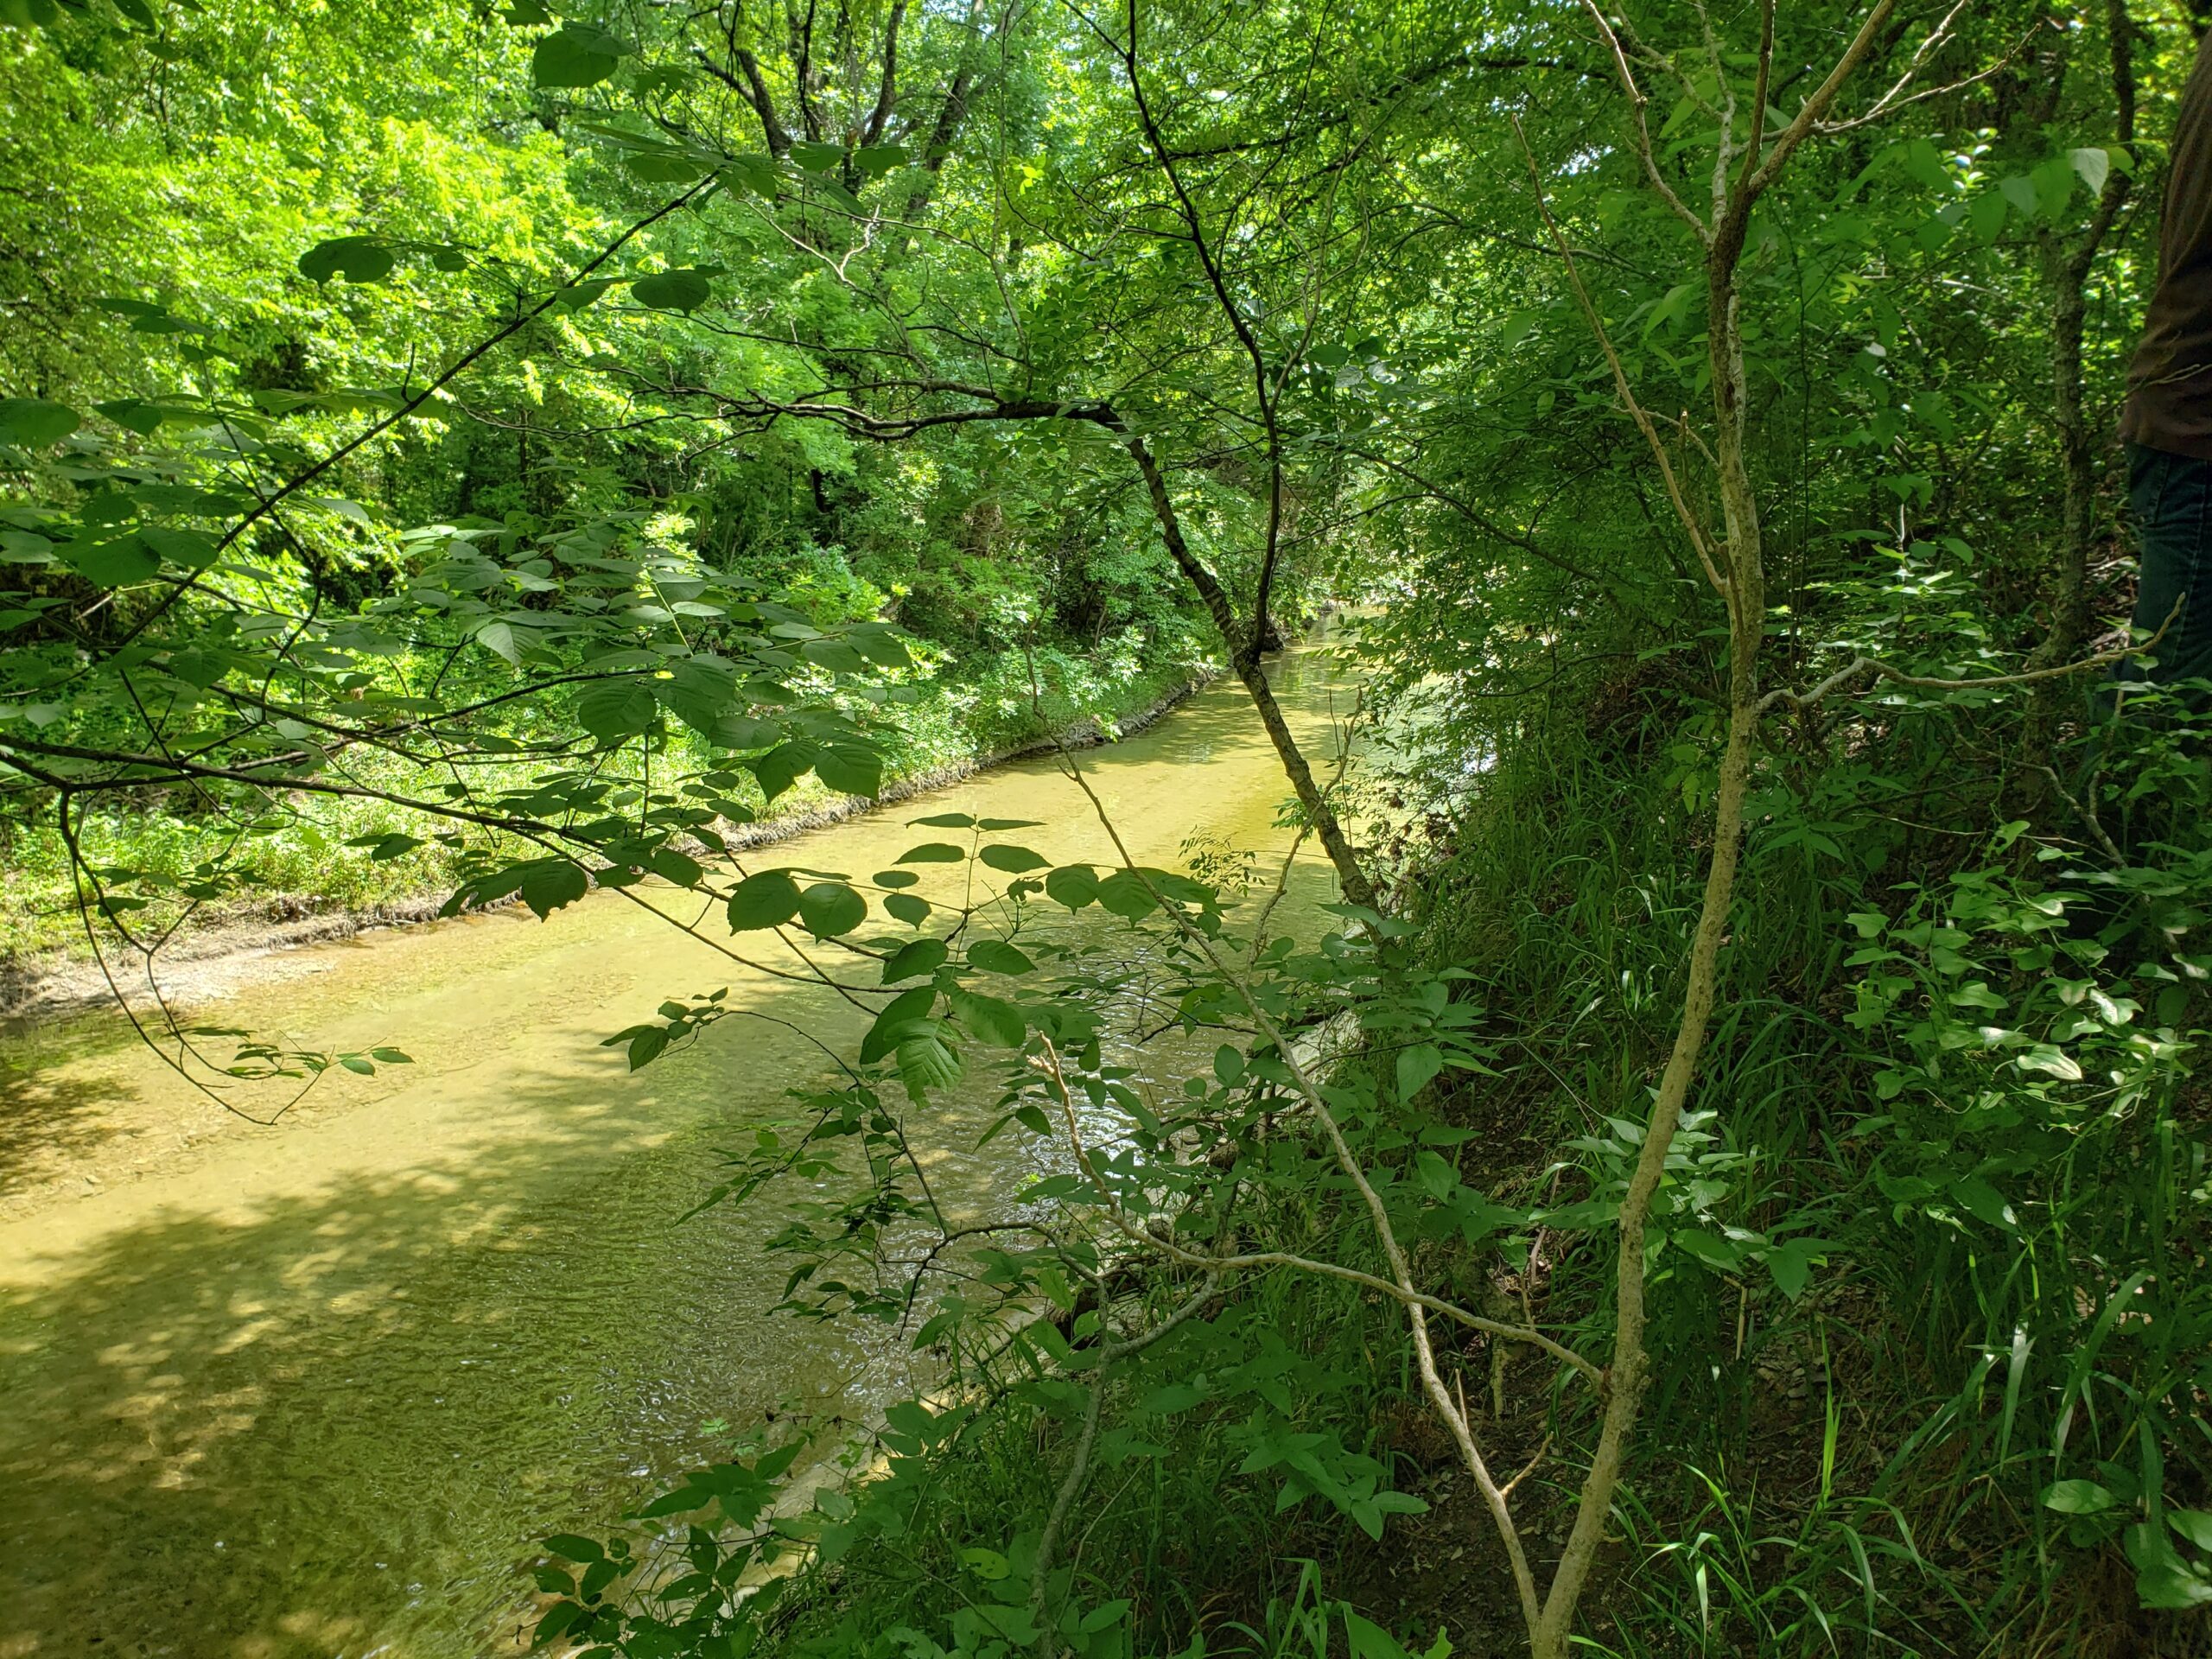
pixel 315 1390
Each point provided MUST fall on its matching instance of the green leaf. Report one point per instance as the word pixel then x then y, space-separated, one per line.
pixel 698 692
pixel 569 1547
pixel 2077 1497
pixel 680 868
pixel 943 821
pixel 768 900
pixel 927 1061
pixel 1124 895
pixel 2195 1525
pixel 34 423
pixel 613 709
pixel 1174 1397
pixel 816 158
pixel 828 909
pixel 892 1024
pixel 1791 1265
pixel 781 767
pixel 915 958
pixel 114 564
pixel 996 1022
pixel 1072 884
pixel 2093 165
pixel 850 768
pixel 997 957
pixel 1435 1174
pixel 909 908
pixel 1984 1202
pixel 193 549
pixel 673 290
pixel 356 258
pixel 1416 1066
pixel 1714 1251
pixel 931 852
pixel 575 296
pixel 1013 860
pixel 873 161
pixel 575 55
pixel 550 883
pixel 1370 1641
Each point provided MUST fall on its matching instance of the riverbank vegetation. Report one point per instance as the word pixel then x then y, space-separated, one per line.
pixel 1737 1181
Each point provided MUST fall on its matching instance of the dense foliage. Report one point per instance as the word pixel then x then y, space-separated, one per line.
pixel 1737 1181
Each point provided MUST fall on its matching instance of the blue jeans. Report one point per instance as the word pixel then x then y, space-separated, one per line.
pixel 2170 498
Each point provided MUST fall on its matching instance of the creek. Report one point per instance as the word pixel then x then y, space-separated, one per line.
pixel 317 1389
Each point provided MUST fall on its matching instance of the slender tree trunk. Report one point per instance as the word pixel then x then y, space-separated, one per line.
pixel 1746 597
pixel 1244 658
pixel 2070 269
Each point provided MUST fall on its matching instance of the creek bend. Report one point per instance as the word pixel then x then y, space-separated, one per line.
pixel 317 1389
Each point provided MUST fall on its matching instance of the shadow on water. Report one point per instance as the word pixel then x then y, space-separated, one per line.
pixel 200 1461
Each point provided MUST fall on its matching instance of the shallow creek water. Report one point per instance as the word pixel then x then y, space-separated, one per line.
pixel 315 1390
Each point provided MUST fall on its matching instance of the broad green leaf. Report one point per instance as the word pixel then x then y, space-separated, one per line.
pixel 34 423
pixel 193 549
pixel 2195 1525
pixel 781 767
pixel 927 1061
pixel 697 692
pixel 908 907
pixel 943 821
pixel 997 957
pixel 550 883
pixel 829 909
pixel 768 900
pixel 1416 1066
pixel 1791 1265
pixel 932 852
pixel 613 709
pixel 1013 860
pixel 356 258
pixel 1073 886
pixel 575 55
pixel 993 1020
pixel 1984 1202
pixel 1124 894
pixel 914 958
pixel 2077 1497
pixel 114 564
pixel 850 768
pixel 673 290
pixel 893 1021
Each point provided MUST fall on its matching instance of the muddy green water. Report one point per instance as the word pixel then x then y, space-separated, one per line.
pixel 315 1390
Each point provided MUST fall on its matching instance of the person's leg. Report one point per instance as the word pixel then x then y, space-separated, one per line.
pixel 2169 498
